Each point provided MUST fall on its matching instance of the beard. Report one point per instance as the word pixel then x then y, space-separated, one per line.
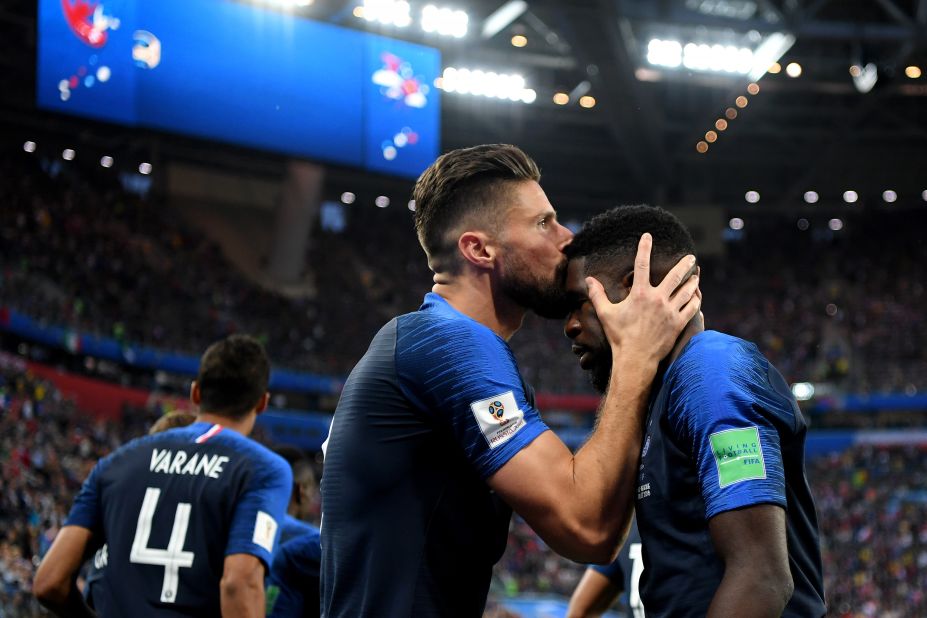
pixel 601 371
pixel 544 296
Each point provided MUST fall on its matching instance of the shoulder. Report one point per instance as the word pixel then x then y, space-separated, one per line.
pixel 716 362
pixel 260 459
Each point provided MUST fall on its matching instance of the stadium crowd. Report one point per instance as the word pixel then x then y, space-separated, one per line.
pixel 80 251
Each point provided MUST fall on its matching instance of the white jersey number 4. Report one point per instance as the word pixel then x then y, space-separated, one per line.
pixel 172 558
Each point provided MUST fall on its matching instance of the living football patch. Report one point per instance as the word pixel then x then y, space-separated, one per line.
pixel 738 455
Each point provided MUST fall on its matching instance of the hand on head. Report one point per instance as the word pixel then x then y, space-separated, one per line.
pixel 647 323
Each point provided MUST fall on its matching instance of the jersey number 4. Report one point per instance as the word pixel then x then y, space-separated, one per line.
pixel 172 558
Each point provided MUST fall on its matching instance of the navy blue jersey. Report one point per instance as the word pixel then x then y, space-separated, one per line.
pixel 292 527
pixel 409 526
pixel 625 573
pixel 293 585
pixel 171 506
pixel 723 432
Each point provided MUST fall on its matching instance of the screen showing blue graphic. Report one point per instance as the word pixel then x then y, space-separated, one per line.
pixel 241 74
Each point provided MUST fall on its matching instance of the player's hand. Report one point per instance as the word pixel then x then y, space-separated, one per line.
pixel 645 325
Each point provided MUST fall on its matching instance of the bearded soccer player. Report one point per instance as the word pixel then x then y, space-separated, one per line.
pixel 436 437
pixel 726 517
pixel 190 515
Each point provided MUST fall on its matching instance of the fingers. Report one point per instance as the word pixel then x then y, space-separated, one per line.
pixel 679 273
pixel 642 262
pixel 691 308
pixel 596 294
pixel 685 292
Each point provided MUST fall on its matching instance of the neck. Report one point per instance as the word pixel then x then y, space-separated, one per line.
pixel 475 295
pixel 694 327
pixel 243 425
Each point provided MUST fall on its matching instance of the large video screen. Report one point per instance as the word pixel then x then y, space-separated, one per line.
pixel 242 74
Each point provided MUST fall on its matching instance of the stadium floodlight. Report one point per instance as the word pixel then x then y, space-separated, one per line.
pixel 835 224
pixel 664 53
pixel 889 196
pixel 348 198
pixel 924 195
pixel 811 197
pixel 106 161
pixel 767 54
pixel 29 146
pixel 387 12
pixel 411 205
pixel 865 78
pixel 68 154
pixel 502 17
pixel 850 196
pixel 736 223
pixel 803 391
pixel 445 21
pixel 144 168
pixel 700 56
pixel 487 84
pixel 752 197
pixel 382 201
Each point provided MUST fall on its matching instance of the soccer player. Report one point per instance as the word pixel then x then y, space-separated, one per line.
pixel 436 437
pixel 93 583
pixel 293 584
pixel 303 495
pixel 293 581
pixel 190 516
pixel 725 514
pixel 601 585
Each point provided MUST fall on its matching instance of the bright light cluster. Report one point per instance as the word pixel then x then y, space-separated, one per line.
pixel 487 84
pixel 388 12
pixel 448 22
pixel 700 57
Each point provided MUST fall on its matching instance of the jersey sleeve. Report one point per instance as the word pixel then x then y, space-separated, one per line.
pixel 260 509
pixel 613 572
pixel 87 510
pixel 465 377
pixel 731 437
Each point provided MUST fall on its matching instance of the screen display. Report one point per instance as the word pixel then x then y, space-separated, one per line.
pixel 242 74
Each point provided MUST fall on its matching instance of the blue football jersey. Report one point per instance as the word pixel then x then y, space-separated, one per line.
pixel 723 432
pixel 293 584
pixel 625 573
pixel 291 527
pixel 409 526
pixel 170 507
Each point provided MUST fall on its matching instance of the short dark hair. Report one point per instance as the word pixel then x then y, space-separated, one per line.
pixel 610 238
pixel 233 376
pixel 461 186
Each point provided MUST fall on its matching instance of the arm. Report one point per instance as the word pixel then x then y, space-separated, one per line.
pixel 54 583
pixel 757 581
pixel 581 504
pixel 593 596
pixel 241 589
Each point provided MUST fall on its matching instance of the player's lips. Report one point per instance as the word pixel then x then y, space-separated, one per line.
pixel 584 354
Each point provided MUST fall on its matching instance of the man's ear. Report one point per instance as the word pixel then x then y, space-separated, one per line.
pixel 262 404
pixel 476 248
pixel 628 280
pixel 195 393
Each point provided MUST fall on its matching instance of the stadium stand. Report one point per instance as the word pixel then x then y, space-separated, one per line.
pixel 139 275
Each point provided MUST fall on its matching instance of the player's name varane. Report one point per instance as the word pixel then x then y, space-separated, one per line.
pixel 170 462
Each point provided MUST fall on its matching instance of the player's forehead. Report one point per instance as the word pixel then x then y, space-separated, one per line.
pixel 526 200
pixel 576 276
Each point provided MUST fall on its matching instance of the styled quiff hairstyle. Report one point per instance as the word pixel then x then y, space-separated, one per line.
pixel 609 240
pixel 233 376
pixel 461 188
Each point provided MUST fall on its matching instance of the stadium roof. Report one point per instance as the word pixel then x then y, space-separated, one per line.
pixel 820 131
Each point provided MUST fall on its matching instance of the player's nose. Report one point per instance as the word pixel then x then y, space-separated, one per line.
pixel 571 326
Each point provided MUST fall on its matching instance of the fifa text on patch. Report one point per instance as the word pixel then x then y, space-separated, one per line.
pixel 738 455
